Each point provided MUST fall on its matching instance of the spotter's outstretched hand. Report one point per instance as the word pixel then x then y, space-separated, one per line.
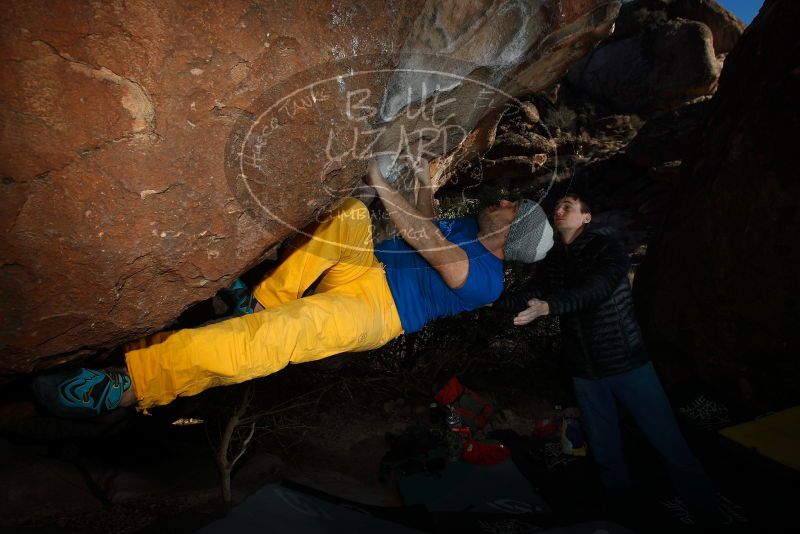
pixel 536 308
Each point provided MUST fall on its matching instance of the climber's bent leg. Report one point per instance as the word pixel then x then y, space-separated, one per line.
pixel 340 246
pixel 358 316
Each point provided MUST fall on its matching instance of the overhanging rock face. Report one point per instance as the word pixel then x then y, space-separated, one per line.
pixel 153 151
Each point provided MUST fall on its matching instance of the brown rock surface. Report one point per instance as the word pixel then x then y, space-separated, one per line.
pixel 718 291
pixel 654 71
pixel 116 214
pixel 116 211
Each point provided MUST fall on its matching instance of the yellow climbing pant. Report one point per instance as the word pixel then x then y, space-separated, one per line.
pixel 351 310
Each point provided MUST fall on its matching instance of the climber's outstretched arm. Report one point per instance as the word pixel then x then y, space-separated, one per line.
pixel 449 260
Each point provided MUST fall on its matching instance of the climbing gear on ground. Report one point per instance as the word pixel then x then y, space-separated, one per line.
pixel 474 411
pixel 485 453
pixel 573 443
pixel 415 450
pixel 545 427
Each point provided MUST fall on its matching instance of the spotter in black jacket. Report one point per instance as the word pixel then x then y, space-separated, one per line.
pixel 586 284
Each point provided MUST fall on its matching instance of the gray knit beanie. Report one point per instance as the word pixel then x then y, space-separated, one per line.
pixel 531 234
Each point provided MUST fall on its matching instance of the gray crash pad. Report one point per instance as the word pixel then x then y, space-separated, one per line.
pixel 279 510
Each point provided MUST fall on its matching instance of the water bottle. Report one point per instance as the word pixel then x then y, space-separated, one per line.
pixel 453 419
pixel 454 439
pixel 456 424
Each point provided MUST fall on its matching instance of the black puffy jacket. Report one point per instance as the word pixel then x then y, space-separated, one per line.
pixel 586 284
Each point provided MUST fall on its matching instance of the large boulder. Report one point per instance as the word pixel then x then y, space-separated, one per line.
pixel 657 70
pixel 718 291
pixel 638 15
pixel 724 25
pixel 127 129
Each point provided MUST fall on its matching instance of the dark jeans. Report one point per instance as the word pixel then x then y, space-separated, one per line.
pixel 640 392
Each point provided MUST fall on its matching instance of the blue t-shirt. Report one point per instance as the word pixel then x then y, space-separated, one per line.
pixel 421 294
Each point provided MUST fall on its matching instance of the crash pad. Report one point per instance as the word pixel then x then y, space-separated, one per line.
pixel 775 436
pixel 277 509
pixel 591 527
pixel 461 486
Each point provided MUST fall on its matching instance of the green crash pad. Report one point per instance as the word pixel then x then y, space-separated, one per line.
pixel 460 486
pixel 775 436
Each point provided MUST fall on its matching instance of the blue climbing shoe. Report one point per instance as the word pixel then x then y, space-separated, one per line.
pixel 81 392
pixel 240 298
